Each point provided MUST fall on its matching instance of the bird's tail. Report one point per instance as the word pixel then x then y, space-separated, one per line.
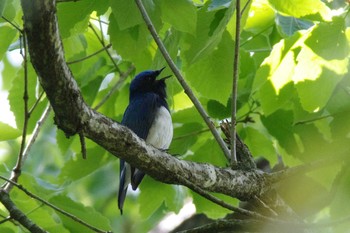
pixel 124 181
pixel 136 178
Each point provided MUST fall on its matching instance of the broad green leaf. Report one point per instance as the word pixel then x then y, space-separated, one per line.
pixel 289 25
pixel 132 44
pixel 7 35
pixel 188 115
pixel 308 89
pixel 2 7
pixel 74 47
pixel 184 137
pixel 208 152
pixel 11 11
pixel 273 79
pixel 160 193
pixel 259 144
pixel 126 14
pixel 181 14
pixel 214 70
pixel 220 4
pixel 261 18
pixel 328 40
pixel 303 194
pixel 301 8
pixel 74 16
pixel 279 125
pixel 210 27
pixel 337 209
pixel 85 213
pixel 321 66
pixel 218 110
pixel 77 168
pixel 15 98
pixel 40 214
pixel 7 132
pixel 210 209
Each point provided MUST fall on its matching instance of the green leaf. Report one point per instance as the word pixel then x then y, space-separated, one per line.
pixel 41 215
pixel 259 144
pixel 87 214
pixel 160 193
pixel 210 27
pixel 2 7
pixel 181 14
pixel 218 110
pixel 7 35
pixel 77 168
pixel 209 208
pixel 74 16
pixel 289 25
pixel 328 40
pixel 214 70
pixel 308 89
pixel 8 133
pixel 279 125
pixel 220 4
pixel 301 8
pixel 15 98
pixel 126 13
pixel 208 152
pixel 132 43
pixel 262 19
pixel 184 137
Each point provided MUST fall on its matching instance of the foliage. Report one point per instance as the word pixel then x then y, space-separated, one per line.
pixel 293 101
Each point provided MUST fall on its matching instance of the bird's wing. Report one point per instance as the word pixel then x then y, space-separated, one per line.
pixel 138 117
pixel 140 114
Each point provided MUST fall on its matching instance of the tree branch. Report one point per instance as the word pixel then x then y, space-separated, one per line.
pixel 72 114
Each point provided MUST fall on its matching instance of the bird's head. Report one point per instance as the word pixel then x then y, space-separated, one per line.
pixel 146 82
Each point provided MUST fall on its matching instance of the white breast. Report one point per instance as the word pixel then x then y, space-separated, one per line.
pixel 161 131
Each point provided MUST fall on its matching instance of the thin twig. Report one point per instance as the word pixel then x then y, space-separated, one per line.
pixel 108 53
pixel 265 206
pixel 16 171
pixel 220 202
pixel 235 84
pixel 12 24
pixel 8 186
pixel 116 86
pixel 305 168
pixel 181 80
pixel 91 55
pixel 245 7
pixel 20 187
pixel 36 103
pixel 104 22
pixel 83 145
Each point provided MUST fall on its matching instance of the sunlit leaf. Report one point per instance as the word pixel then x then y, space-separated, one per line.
pixel 7 132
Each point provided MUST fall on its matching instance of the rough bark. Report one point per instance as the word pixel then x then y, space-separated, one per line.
pixel 73 115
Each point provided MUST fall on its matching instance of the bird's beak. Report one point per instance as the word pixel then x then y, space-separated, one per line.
pixel 159 71
pixel 166 77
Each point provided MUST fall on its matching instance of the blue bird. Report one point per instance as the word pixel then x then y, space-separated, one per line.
pixel 148 116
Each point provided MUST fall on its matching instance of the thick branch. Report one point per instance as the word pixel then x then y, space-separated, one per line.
pixel 72 114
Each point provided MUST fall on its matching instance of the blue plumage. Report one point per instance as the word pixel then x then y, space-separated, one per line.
pixel 147 115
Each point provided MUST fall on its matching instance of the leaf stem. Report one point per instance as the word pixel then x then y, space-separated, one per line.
pixel 181 80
